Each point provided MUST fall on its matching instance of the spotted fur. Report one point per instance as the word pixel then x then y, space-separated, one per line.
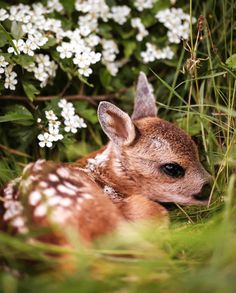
pixel 121 182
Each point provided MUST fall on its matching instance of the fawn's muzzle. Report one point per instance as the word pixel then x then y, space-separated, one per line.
pixel 204 194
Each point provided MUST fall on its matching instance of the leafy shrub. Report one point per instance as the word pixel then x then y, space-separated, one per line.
pixel 77 50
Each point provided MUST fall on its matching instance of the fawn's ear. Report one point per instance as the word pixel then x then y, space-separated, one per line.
pixel 145 103
pixel 117 124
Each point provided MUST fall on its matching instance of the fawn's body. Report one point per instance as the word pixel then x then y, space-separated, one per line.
pixel 147 161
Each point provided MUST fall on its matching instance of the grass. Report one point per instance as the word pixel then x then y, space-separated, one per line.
pixel 198 252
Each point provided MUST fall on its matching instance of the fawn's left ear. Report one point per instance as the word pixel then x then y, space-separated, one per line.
pixel 117 124
pixel 145 103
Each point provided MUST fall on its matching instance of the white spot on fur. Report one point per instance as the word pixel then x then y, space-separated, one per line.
pixel 53 178
pixel 38 165
pixel 18 222
pixel 71 186
pixel 63 172
pixel 41 210
pixel 100 159
pixel 59 215
pixel 80 200
pixel 87 196
pixel 8 191
pixel 55 200
pixel 161 143
pixel 34 197
pixel 43 184
pixel 65 202
pixel 13 209
pixel 49 192
pixel 112 194
pixel 63 189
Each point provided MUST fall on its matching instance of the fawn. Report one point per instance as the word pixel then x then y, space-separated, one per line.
pixel 146 162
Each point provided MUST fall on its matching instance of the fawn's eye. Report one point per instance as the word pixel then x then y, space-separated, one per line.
pixel 173 170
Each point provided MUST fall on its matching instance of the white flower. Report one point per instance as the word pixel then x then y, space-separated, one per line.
pixel 3 14
pixel 3 63
pixel 28 47
pixel 152 53
pixel 98 8
pixel 136 23
pixel 50 115
pixel 40 74
pixel 86 71
pixel 10 80
pixel 53 130
pixel 65 50
pixel 82 60
pixel 112 67
pixel 18 45
pixel 144 4
pixel 120 13
pixel 37 39
pixel 177 22
pixel 92 40
pixel 54 5
pixel 62 103
pixel 45 139
pixel 73 123
pixel 68 111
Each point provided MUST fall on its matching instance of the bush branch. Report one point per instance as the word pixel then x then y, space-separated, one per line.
pixel 67 97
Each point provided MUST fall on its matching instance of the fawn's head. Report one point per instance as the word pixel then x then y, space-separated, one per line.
pixel 156 158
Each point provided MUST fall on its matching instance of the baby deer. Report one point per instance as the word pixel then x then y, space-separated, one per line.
pixel 146 162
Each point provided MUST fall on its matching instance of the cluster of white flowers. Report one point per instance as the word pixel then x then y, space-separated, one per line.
pixel 33 27
pixel 110 50
pixel 72 122
pixel 144 4
pixel 96 8
pixel 142 32
pixel 43 68
pixel 152 53
pixel 120 13
pixel 177 22
pixel 3 14
pixel 10 75
pixel 10 78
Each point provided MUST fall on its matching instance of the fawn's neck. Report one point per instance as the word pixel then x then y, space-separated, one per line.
pixel 108 170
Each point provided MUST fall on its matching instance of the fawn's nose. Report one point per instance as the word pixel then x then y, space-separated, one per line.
pixel 204 193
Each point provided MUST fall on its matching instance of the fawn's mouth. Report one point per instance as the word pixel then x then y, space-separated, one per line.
pixel 170 206
pixel 167 205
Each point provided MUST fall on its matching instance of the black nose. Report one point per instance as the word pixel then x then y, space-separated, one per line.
pixel 204 193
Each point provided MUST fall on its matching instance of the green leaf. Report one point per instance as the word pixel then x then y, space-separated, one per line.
pixel 50 43
pixel 30 90
pixel 84 110
pixel 16 30
pixel 18 114
pixel 68 5
pixel 23 60
pixel 105 77
pixel 9 38
pixel 3 39
pixel 129 47
pixel 231 61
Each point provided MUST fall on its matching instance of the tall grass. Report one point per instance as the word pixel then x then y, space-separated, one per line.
pixel 198 252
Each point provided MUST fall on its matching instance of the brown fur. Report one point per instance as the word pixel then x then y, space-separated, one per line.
pixel 123 181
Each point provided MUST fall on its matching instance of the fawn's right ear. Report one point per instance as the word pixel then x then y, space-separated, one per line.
pixel 117 124
pixel 144 103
